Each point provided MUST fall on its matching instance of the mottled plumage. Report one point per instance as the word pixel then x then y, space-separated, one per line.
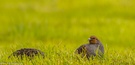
pixel 93 48
pixel 28 52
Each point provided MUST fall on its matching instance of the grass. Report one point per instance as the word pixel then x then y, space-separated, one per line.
pixel 59 27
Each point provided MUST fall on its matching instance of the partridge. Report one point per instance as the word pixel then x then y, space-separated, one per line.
pixel 28 52
pixel 93 48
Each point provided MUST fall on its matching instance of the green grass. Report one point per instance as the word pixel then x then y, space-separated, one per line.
pixel 59 27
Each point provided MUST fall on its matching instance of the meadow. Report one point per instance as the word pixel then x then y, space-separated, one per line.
pixel 58 27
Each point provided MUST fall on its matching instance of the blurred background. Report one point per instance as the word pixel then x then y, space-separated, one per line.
pixel 68 21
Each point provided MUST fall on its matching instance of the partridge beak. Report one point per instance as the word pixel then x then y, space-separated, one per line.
pixel 89 39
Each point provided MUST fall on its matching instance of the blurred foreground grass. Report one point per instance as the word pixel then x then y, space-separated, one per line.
pixel 37 24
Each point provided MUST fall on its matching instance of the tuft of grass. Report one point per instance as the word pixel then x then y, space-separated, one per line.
pixel 60 54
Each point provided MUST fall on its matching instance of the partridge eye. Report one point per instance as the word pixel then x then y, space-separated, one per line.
pixel 93 38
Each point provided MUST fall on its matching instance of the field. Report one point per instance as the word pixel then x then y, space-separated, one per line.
pixel 58 27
